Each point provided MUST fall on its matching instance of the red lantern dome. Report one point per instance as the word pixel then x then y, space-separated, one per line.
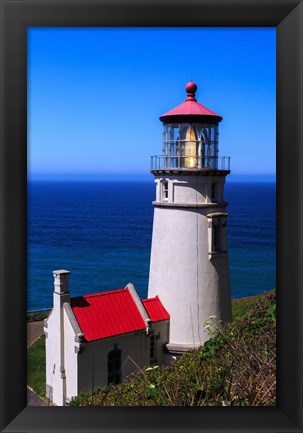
pixel 190 110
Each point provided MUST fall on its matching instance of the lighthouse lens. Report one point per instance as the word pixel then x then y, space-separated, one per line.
pixel 190 148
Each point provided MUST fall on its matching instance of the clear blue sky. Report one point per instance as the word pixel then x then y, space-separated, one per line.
pixel 96 94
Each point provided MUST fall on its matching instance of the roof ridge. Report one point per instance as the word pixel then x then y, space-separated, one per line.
pixel 110 292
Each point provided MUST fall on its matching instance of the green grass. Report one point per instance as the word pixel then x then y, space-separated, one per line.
pixel 36 366
pixel 240 307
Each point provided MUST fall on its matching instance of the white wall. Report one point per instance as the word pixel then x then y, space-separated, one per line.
pixel 61 330
pixel 61 358
pixel 190 189
pixel 161 333
pixel 70 358
pixel 54 347
pixel 191 286
pixel 92 370
pixel 49 354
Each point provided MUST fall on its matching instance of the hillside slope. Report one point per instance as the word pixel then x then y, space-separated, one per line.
pixel 236 367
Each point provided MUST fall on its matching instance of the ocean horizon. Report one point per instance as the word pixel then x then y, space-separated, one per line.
pixel 101 232
pixel 135 177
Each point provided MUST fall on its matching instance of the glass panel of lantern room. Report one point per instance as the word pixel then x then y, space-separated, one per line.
pixel 205 146
pixel 213 161
pixel 176 144
pixel 174 133
pixel 166 145
pixel 164 149
pixel 210 146
pixel 182 128
pixel 214 129
pixel 174 151
pixel 167 133
pixel 197 128
pixel 170 137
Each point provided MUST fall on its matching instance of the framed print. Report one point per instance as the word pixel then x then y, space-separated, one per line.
pixel 17 19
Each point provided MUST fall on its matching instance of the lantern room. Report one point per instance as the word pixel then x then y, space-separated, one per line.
pixel 190 137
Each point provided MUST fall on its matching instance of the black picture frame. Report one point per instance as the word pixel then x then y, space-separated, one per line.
pixel 16 17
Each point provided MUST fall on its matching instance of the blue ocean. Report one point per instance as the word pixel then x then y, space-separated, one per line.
pixel 101 232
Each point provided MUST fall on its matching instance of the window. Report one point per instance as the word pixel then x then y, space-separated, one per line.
pixel 217 235
pixel 152 347
pixel 213 192
pixel 165 191
pixel 217 238
pixel 114 366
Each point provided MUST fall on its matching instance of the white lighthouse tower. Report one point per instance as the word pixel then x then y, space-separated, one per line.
pixel 189 268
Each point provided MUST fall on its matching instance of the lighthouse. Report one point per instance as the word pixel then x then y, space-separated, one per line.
pixel 189 267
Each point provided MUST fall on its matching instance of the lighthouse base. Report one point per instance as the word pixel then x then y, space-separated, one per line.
pixel 179 349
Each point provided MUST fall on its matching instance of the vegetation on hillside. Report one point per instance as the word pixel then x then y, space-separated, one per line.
pixel 35 316
pixel 36 375
pixel 236 367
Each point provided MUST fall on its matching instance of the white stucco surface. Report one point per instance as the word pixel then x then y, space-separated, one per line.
pixel 54 342
pixel 92 366
pixel 70 358
pixel 191 284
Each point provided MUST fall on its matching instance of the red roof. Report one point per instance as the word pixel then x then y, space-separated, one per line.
pixel 106 314
pixel 190 107
pixel 155 309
